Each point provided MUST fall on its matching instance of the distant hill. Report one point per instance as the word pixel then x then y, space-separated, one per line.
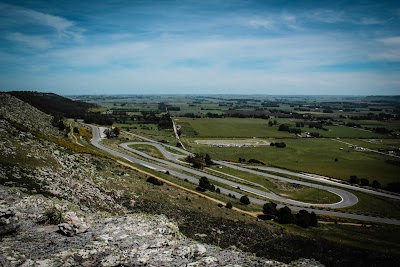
pixel 53 104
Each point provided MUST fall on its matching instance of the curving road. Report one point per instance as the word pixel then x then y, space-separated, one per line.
pixel 325 180
pixel 294 205
pixel 347 198
pixel 319 179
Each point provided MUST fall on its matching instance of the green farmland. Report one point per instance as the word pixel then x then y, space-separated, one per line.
pixel 314 156
pixel 232 127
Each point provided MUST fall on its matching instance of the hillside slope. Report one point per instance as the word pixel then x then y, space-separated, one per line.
pixel 53 104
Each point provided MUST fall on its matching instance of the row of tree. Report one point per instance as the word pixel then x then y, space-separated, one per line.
pixel 285 216
pixel 199 161
pixel 392 187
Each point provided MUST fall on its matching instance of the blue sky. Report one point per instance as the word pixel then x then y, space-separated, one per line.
pixel 200 47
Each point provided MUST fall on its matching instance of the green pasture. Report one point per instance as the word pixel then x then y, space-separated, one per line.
pixel 148 149
pixel 395 124
pixel 313 156
pixel 375 205
pixel 150 131
pixel 334 130
pixel 233 127
pixel 344 132
pixel 376 144
pixel 287 190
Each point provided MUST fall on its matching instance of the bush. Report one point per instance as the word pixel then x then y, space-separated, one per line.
pixel 283 128
pixel 393 187
pixel 376 184
pixel 364 182
pixel 154 181
pixel 354 179
pixel 228 205
pixel 245 200
pixel 303 218
pixel 201 189
pixel 313 220
pixel 255 161
pixel 205 184
pixel 285 216
pixel 218 190
pixel 53 216
pixel 281 145
pixel 270 208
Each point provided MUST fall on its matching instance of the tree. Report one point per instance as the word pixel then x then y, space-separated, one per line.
pixel 354 179
pixel 116 131
pixel 61 125
pixel 270 208
pixel 394 187
pixel 376 184
pixel 280 144
pixel 208 160
pixel 107 132
pixel 76 130
pixel 270 123
pixel 285 216
pixel 228 205
pixel 205 184
pixel 245 200
pixel 313 220
pixel 197 161
pixel 218 190
pixel 303 218
pixel 283 128
pixel 275 122
pixel 364 182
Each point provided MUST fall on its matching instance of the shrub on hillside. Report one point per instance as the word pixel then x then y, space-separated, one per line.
pixel 154 181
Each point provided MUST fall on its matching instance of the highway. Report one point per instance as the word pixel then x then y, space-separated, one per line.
pixel 348 198
pixel 319 179
pixel 326 180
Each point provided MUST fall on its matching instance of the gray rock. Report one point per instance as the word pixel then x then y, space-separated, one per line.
pixel 8 221
pixel 73 226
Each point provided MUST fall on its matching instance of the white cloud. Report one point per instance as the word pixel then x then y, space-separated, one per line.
pixel 391 49
pixel 284 53
pixel 370 21
pixel 57 23
pixel 332 17
pixel 15 15
pixel 290 21
pixel 163 81
pixel 260 23
pixel 392 41
pixel 28 40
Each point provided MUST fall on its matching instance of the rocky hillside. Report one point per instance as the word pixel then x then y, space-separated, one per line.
pixel 129 240
pixel 17 111
pixel 59 207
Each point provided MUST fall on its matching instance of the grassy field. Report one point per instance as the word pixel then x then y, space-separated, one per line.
pixel 148 149
pixel 344 132
pixel 375 205
pixel 151 131
pixel 232 127
pixel 315 156
pixel 288 190
pixel 334 130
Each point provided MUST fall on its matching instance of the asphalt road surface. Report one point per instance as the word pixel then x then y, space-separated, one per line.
pixel 347 197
